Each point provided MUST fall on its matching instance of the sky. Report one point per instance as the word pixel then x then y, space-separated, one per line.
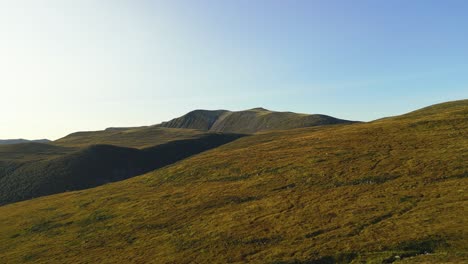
pixel 68 66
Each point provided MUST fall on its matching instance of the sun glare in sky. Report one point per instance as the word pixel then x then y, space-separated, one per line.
pixel 69 66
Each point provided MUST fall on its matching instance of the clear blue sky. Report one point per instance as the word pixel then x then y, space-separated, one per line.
pixel 67 66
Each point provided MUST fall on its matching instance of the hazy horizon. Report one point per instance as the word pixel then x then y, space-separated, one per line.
pixel 72 66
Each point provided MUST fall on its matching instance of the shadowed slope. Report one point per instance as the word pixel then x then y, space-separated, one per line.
pixel 336 194
pixel 16 155
pixel 96 165
pixel 249 121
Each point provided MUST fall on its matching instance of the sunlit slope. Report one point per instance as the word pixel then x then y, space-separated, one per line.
pixel 249 121
pixel 362 192
pixel 139 137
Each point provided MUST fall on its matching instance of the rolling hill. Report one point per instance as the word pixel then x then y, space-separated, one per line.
pixel 249 121
pixel 52 169
pixel 392 190
pixel 25 152
pixel 139 137
pixel 32 169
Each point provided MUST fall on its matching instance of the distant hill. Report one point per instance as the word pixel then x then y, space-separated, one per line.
pixel 18 141
pixel 60 169
pixel 388 191
pixel 139 137
pixel 31 151
pixel 441 111
pixel 249 121
pixel 196 124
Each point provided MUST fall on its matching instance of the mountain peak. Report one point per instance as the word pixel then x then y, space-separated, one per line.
pixel 260 109
pixel 248 121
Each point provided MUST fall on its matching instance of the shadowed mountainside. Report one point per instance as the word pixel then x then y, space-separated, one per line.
pixel 249 121
pixel 59 169
pixel 379 192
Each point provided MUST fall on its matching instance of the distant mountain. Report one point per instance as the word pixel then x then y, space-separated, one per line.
pixel 20 140
pixel 249 121
pixel 195 124
pixel 197 119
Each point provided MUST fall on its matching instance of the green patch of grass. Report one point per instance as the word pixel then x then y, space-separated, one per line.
pixel 379 179
pixel 28 257
pixel 340 258
pixel 15 235
pixel 406 198
pixel 263 240
pixel 96 217
pixel 49 209
pixel 232 178
pixel 260 241
pixel 84 204
pixel 182 245
pixel 414 248
pixel 314 234
pixel 289 186
pixel 346 257
pixel 239 200
pixel 44 226
pixel 156 226
pixel 427 245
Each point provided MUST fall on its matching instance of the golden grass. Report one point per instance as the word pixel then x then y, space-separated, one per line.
pixel 355 193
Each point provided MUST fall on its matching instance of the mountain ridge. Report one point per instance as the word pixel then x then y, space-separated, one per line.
pixel 249 121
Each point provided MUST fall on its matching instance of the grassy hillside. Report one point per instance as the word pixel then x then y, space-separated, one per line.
pixel 139 137
pixel 249 121
pixel 14 156
pixel 388 191
pixel 91 166
pixel 19 141
pixel 31 152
